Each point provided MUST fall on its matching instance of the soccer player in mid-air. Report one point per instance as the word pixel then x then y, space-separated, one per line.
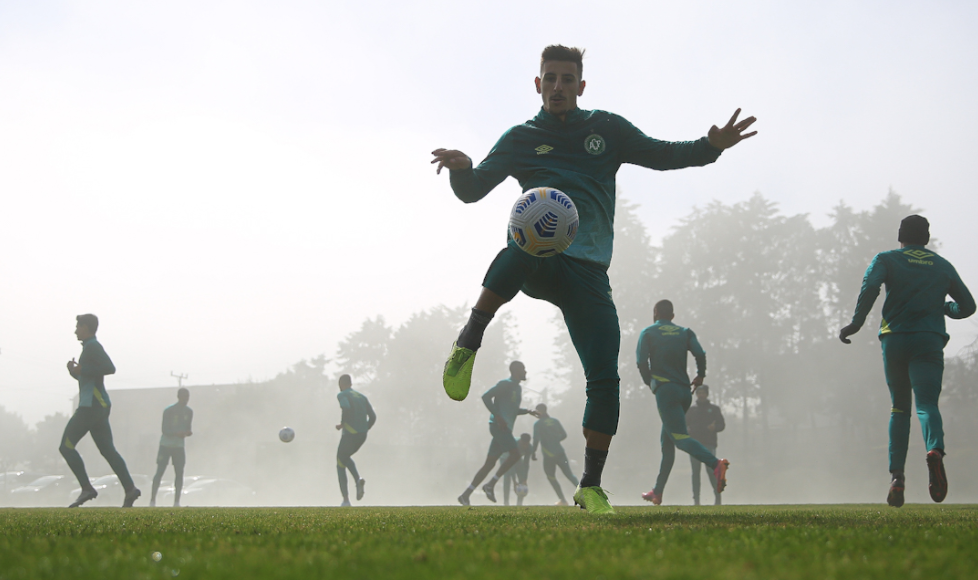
pixel 661 355
pixel 177 421
pixel 912 335
pixel 358 417
pixel 548 433
pixel 578 152
pixel 503 402
pixel 92 414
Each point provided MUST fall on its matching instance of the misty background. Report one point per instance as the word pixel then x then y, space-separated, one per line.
pixel 234 188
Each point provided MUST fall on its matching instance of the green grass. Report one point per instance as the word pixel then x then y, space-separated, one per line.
pixel 855 541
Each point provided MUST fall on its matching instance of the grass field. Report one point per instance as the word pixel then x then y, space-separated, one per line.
pixel 853 541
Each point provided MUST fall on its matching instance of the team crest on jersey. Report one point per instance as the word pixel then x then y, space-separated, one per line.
pixel 594 144
pixel 543 149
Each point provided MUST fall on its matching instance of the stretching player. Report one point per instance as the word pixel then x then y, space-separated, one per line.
pixel 92 414
pixel 358 417
pixel 177 419
pixel 503 402
pixel 661 355
pixel 912 335
pixel 548 433
pixel 578 152
pixel 519 473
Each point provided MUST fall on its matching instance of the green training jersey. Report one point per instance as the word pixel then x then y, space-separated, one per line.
pixel 917 283
pixel 93 365
pixel 177 418
pixel 661 353
pixel 358 415
pixel 548 433
pixel 503 402
pixel 579 156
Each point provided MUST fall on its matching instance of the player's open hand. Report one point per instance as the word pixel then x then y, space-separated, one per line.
pixel 731 133
pixel 846 332
pixel 453 159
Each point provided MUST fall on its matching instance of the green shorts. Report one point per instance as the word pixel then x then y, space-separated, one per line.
pixel 583 293
pixel 502 440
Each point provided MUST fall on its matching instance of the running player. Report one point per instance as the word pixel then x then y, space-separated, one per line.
pixel 519 473
pixel 912 335
pixel 548 433
pixel 503 402
pixel 578 152
pixel 92 414
pixel 358 417
pixel 661 355
pixel 177 419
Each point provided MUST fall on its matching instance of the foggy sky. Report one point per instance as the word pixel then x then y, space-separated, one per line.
pixel 234 186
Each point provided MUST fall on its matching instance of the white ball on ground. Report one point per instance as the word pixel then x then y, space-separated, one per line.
pixel 522 489
pixel 286 434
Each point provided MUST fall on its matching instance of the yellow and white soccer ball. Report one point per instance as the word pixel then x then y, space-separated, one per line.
pixel 522 489
pixel 543 222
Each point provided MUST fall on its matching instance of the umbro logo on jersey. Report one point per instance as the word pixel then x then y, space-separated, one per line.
pixel 667 328
pixel 543 149
pixel 919 257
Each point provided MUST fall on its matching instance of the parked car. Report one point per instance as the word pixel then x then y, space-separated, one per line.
pixel 45 491
pixel 211 492
pixel 167 489
pixel 110 492
pixel 11 480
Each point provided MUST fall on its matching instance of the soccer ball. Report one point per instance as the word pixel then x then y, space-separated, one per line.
pixel 286 434
pixel 522 489
pixel 543 222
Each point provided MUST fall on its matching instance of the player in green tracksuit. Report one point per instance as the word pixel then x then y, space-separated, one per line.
pixel 519 473
pixel 661 355
pixel 578 152
pixel 912 335
pixel 177 426
pixel 358 417
pixel 503 402
pixel 92 414
pixel 548 433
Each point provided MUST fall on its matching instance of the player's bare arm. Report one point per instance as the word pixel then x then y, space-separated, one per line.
pixel 731 133
pixel 453 159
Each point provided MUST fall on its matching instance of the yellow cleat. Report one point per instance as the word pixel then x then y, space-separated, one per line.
pixel 593 500
pixel 457 377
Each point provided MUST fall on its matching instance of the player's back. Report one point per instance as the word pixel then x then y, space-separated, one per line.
pixel 664 345
pixel 356 408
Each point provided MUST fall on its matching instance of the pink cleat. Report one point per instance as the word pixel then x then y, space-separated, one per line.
pixel 720 473
pixel 653 496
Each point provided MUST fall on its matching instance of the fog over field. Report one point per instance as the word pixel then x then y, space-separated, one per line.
pixel 242 193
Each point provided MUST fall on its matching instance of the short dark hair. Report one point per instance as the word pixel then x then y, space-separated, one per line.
pixel 346 381
pixel 914 230
pixel 183 391
pixel 565 54
pixel 525 437
pixel 541 408
pixel 664 308
pixel 516 364
pixel 705 389
pixel 89 321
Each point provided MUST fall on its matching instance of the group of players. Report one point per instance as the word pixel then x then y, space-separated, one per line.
pixel 579 152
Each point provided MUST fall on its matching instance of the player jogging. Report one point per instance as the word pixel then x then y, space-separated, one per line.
pixel 661 355
pixel 503 402
pixel 358 417
pixel 912 335
pixel 92 414
pixel 548 433
pixel 177 420
pixel 578 152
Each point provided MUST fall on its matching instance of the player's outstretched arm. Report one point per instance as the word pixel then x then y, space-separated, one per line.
pixel 731 133
pixel 453 159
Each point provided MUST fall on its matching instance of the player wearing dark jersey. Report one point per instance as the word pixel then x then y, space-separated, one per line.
pixel 661 355
pixel 503 402
pixel 578 152
pixel 358 417
pixel 548 433
pixel 92 414
pixel 912 335
pixel 177 426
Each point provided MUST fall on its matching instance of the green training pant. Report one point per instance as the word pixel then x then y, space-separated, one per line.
pixel 94 420
pixel 914 367
pixel 583 293
pixel 673 401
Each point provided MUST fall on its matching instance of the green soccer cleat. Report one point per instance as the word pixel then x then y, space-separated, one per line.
pixel 593 500
pixel 457 377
